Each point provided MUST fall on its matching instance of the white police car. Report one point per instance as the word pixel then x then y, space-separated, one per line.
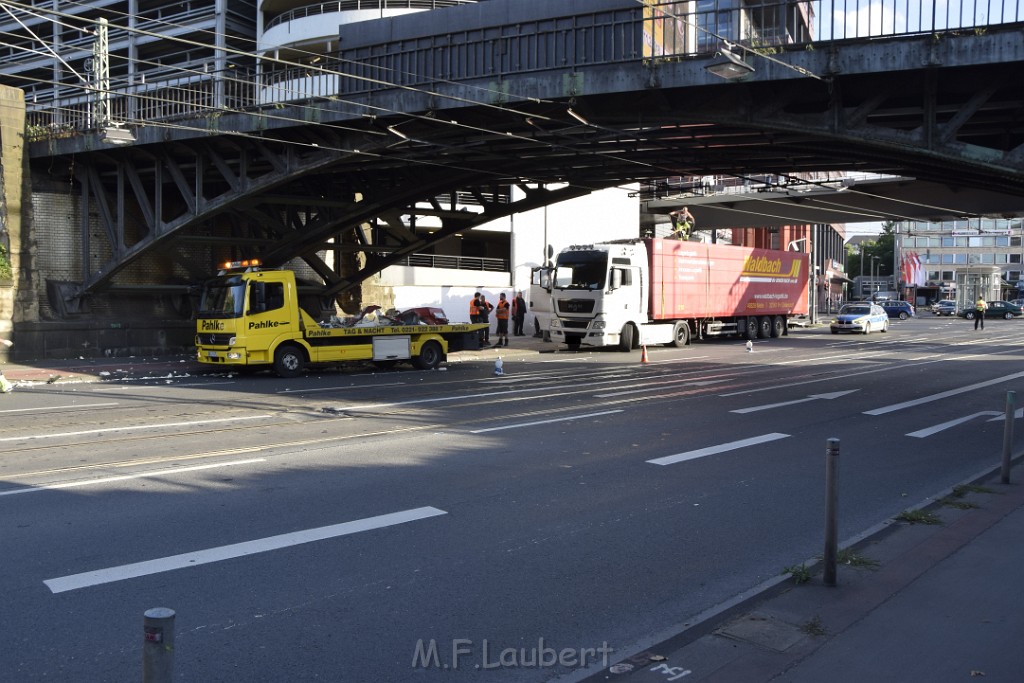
pixel 861 316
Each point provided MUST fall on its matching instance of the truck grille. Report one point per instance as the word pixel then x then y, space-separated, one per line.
pixel 576 306
pixel 211 339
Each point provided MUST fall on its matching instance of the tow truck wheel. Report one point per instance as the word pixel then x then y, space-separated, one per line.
pixel 288 361
pixel 626 338
pixel 431 355
pixel 680 335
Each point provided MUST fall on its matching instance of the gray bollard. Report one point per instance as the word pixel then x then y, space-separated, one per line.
pixel 1004 475
pixel 158 645
pixel 831 493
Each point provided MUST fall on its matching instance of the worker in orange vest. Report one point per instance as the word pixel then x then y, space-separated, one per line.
pixel 501 314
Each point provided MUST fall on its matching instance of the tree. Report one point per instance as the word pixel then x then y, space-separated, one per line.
pixel 884 249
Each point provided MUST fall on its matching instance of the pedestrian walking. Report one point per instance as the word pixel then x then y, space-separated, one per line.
pixel 501 314
pixel 484 308
pixel 980 306
pixel 518 314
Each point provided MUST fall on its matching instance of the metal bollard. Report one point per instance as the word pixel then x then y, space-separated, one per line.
pixel 158 645
pixel 1011 398
pixel 831 493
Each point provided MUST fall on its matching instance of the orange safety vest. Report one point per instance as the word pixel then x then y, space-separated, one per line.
pixel 502 312
pixel 473 308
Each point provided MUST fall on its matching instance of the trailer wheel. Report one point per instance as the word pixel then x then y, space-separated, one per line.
pixel 778 326
pixel 764 327
pixel 430 356
pixel 626 338
pixel 680 335
pixel 289 361
pixel 751 328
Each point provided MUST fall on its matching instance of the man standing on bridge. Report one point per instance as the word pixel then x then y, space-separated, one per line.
pixel 682 223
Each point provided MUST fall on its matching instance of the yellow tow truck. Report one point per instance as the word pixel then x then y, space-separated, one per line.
pixel 250 317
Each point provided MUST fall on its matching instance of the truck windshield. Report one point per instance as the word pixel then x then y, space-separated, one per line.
pixel 581 270
pixel 223 298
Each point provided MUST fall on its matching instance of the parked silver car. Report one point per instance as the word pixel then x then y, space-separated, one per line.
pixel 944 307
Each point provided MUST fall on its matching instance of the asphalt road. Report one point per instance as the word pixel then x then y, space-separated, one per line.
pixel 453 525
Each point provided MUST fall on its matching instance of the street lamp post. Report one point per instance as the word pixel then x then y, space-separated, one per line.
pixel 874 276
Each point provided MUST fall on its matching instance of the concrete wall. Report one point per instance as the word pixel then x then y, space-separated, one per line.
pixel 12 126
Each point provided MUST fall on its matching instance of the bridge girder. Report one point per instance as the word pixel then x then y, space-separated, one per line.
pixel 935 111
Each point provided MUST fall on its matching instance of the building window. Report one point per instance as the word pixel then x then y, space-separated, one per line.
pixel 947 275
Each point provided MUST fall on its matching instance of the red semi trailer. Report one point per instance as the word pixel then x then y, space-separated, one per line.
pixel 664 291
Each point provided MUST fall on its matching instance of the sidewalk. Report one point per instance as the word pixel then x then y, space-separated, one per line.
pixel 918 602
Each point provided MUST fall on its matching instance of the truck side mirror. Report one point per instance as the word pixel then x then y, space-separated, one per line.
pixel 616 279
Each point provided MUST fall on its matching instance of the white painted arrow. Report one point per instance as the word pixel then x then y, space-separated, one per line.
pixel 1017 414
pixel 928 431
pixel 812 397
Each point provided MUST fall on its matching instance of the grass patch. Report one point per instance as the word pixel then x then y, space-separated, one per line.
pixel 964 489
pixel 918 517
pixel 850 558
pixel 814 627
pixel 952 502
pixel 799 572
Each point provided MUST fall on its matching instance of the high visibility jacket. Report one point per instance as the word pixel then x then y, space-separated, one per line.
pixel 502 310
pixel 981 305
pixel 473 308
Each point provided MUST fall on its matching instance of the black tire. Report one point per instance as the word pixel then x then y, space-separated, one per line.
pixel 431 355
pixel 751 332
pixel 764 327
pixel 1008 315
pixel 778 326
pixel 867 328
pixel 626 338
pixel 289 361
pixel 680 335
pixel 885 327
pixel 969 315
pixel 903 315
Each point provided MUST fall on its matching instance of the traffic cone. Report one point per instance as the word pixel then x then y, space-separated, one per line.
pixel 643 355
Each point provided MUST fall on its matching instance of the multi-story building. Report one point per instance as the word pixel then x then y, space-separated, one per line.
pixel 960 259
pixel 173 57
